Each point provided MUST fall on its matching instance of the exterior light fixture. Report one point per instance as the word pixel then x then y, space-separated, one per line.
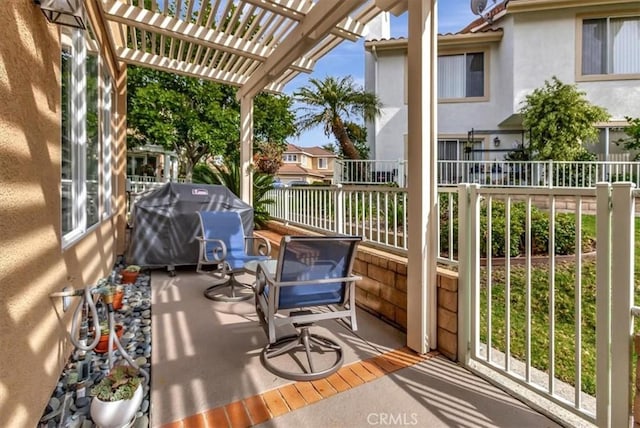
pixel 496 141
pixel 63 12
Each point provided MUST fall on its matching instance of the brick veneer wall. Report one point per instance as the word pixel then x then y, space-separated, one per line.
pixel 383 288
pixel 448 313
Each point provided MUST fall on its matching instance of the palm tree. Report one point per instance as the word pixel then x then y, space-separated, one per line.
pixel 332 103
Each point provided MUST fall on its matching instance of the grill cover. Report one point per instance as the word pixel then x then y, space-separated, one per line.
pixel 165 223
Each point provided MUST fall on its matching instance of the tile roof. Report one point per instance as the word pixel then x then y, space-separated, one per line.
pixel 485 18
pixel 313 151
pixel 295 169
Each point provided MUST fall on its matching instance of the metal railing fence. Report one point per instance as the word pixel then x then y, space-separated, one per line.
pixel 530 319
pixel 377 213
pixel 493 172
pixel 527 312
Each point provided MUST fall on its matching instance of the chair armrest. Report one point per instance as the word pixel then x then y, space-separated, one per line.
pixel 264 246
pixel 351 278
pixel 219 250
pixel 263 277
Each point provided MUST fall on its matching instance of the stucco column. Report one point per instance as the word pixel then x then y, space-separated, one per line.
pixel 246 149
pixel 422 98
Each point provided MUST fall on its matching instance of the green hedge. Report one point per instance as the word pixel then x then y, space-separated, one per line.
pixel 564 230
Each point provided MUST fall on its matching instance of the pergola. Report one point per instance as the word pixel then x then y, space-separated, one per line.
pixel 260 45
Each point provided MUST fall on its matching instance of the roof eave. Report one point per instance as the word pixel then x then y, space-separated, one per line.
pixel 518 6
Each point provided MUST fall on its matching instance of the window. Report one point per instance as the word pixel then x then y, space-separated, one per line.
pixel 322 163
pixel 455 149
pixel 451 152
pixel 461 76
pixel 611 46
pixel 92 155
pixel 69 219
pixel 86 137
pixel 107 96
pixel 290 158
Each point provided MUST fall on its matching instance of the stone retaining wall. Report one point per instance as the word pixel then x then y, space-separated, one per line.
pixel 383 288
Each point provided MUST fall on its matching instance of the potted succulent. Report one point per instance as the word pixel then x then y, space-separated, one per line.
pixel 103 343
pixel 118 294
pixel 130 274
pixel 117 397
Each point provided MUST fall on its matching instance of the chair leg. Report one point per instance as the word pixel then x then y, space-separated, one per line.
pixel 307 342
pixel 229 291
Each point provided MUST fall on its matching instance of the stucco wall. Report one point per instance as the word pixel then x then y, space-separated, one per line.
pixel 535 47
pixel 555 35
pixel 32 262
pixel 392 124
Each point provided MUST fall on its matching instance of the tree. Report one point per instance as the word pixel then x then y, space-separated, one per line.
pixel 196 118
pixel 268 157
pixel 560 121
pixel 358 135
pixel 632 141
pixel 332 103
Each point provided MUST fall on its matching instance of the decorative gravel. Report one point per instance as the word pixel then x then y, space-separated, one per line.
pixel 71 399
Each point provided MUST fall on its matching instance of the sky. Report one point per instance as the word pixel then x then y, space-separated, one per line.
pixel 348 59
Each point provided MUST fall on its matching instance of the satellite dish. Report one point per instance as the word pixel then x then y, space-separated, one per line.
pixel 477 6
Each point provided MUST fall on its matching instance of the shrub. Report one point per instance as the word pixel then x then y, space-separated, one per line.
pixel 564 230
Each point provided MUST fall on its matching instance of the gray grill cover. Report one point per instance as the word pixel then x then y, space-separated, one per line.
pixel 165 223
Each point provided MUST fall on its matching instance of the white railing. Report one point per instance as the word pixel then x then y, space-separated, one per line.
pixel 378 213
pixel 493 173
pixel 522 317
pixel 537 174
pixel 142 183
pixel 518 302
pixel 371 172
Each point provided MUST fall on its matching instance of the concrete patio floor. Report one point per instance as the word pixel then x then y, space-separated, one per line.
pixel 207 372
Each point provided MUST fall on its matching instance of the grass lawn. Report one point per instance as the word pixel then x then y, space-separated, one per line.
pixel 565 321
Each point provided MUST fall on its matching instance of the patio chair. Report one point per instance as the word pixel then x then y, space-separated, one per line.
pixel 224 245
pixel 310 281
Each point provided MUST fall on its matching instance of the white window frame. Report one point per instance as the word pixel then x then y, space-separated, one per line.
pixel 580 46
pixel 485 78
pixel 74 40
pixel 106 186
pixel 77 115
pixel 323 163
pixel 290 158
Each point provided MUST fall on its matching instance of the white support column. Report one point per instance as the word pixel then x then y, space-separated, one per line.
pixel 622 264
pixel 469 271
pixel 422 192
pixel 339 211
pixel 246 149
pixel 166 168
pixel 603 305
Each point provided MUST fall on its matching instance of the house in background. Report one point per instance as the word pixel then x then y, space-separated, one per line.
pixel 308 164
pixel 486 70
pixel 152 161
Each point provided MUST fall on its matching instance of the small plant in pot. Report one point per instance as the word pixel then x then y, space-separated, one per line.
pixel 117 397
pixel 130 274
pixel 103 343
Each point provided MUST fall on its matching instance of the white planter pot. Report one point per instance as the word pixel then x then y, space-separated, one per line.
pixel 115 414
